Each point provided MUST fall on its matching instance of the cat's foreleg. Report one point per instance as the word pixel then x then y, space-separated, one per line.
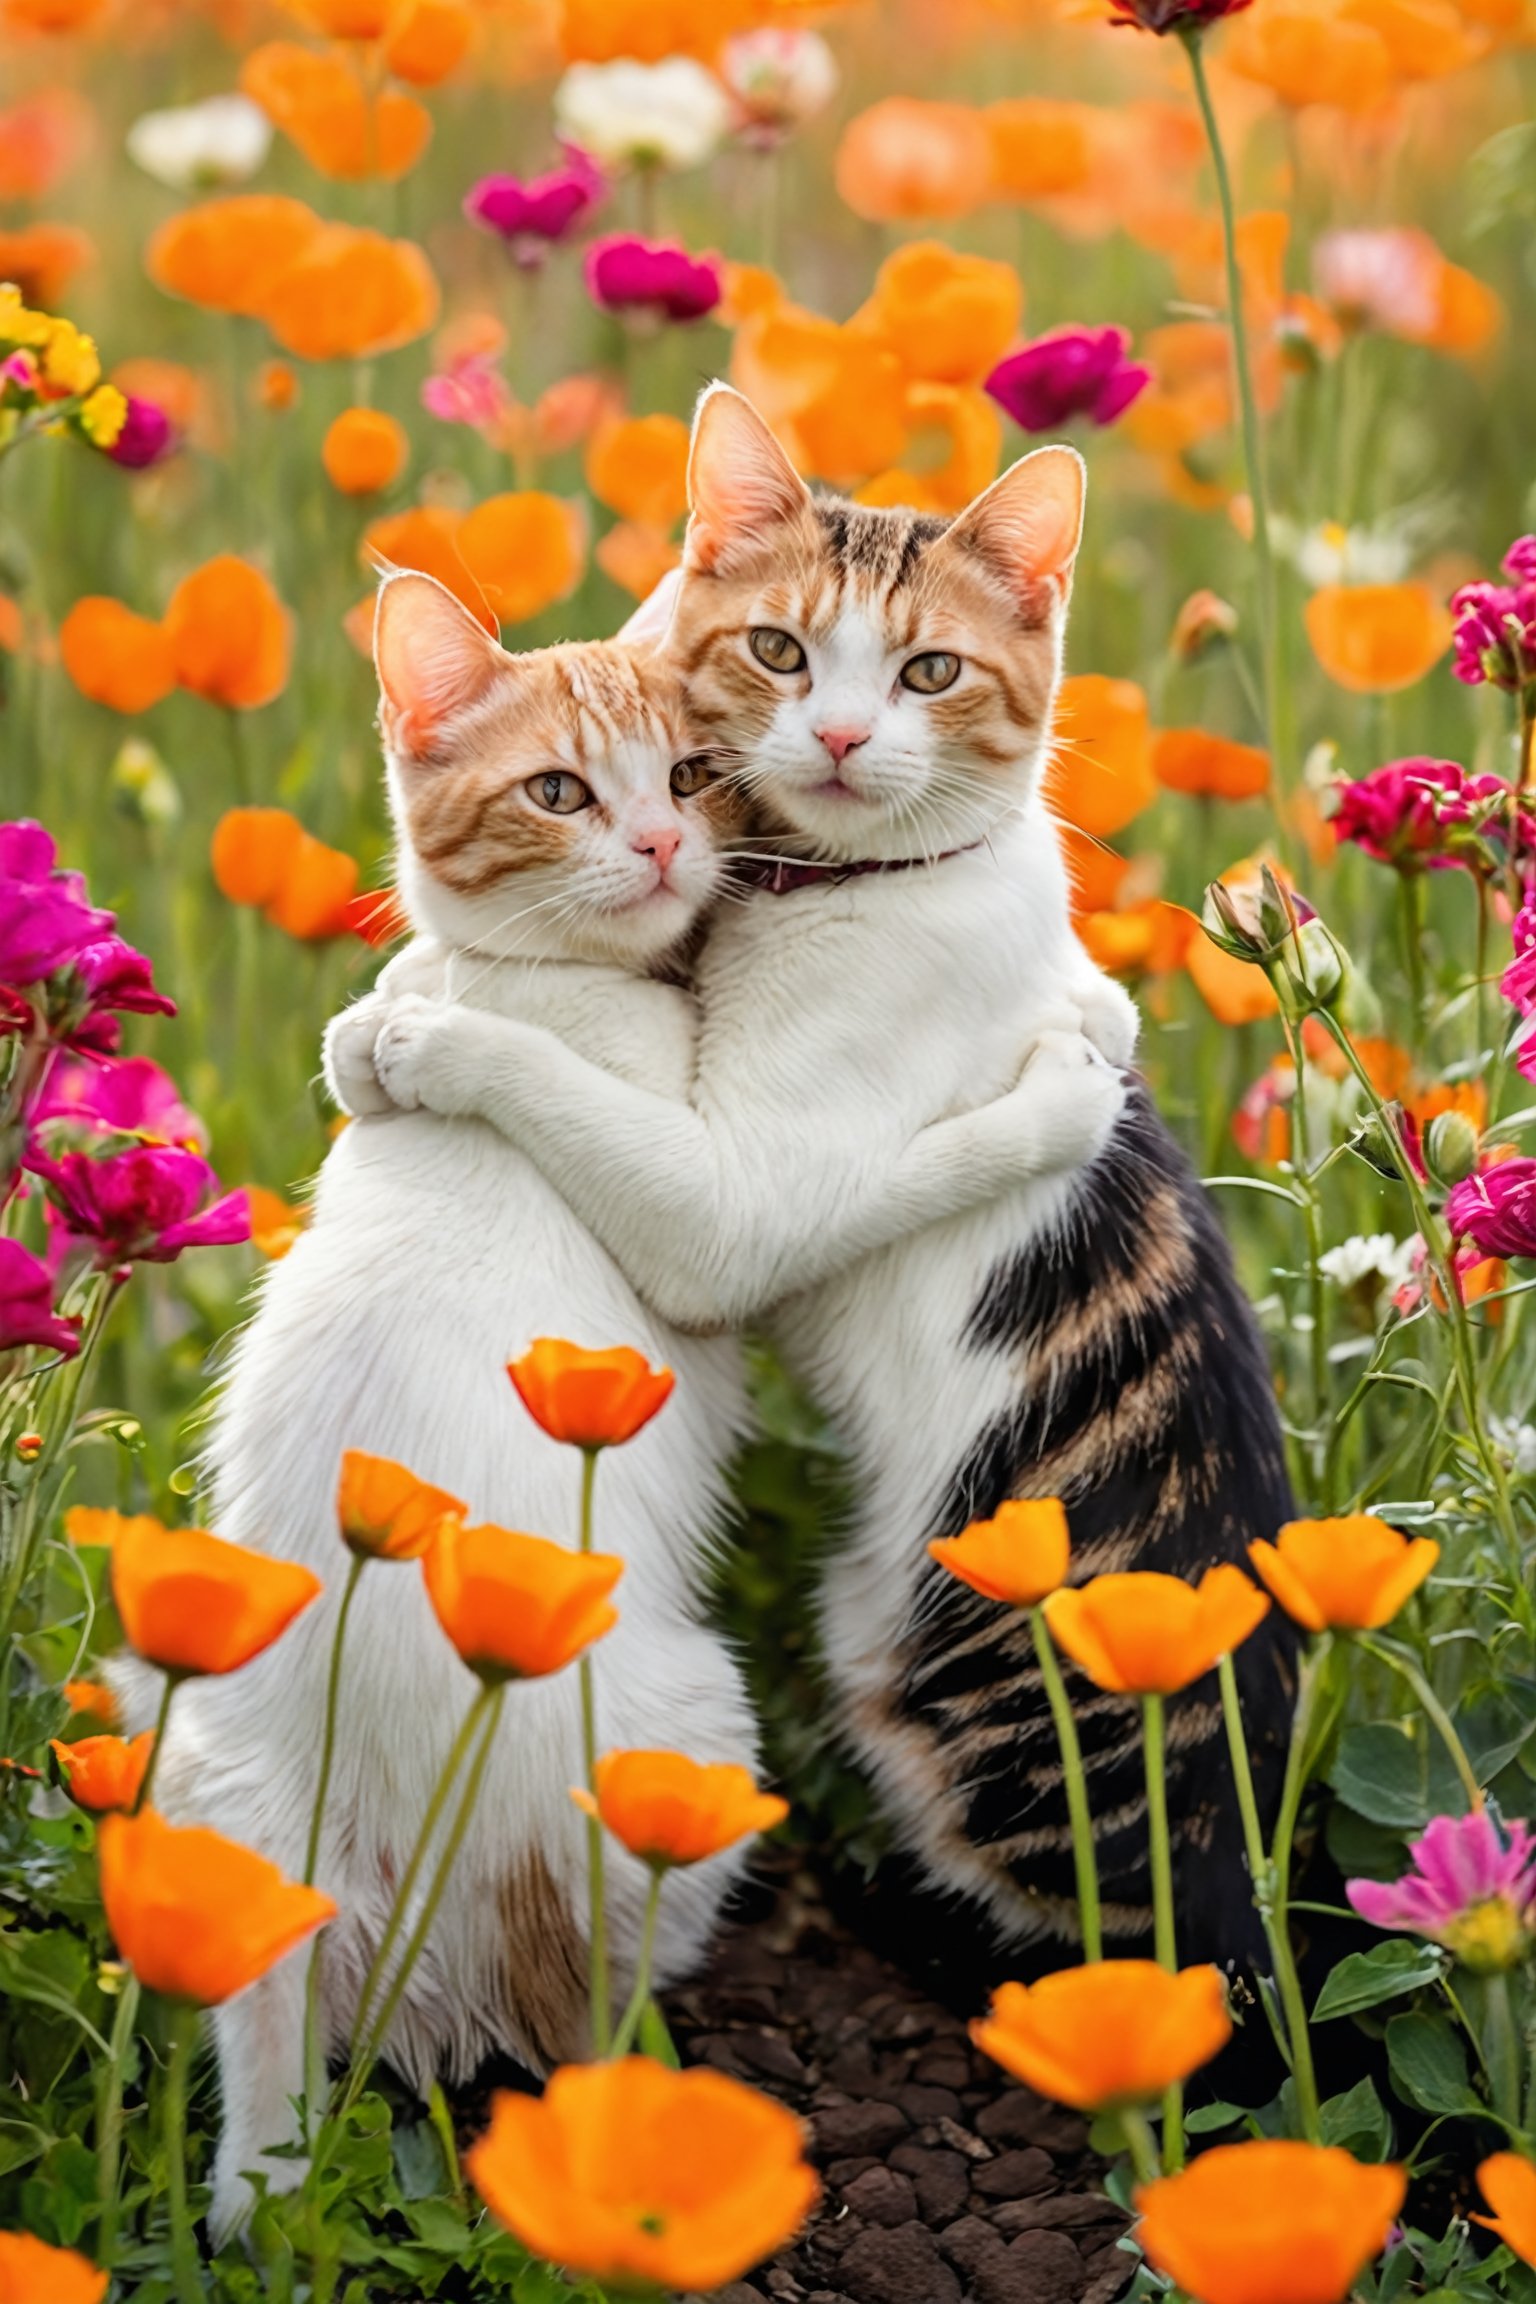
pixel 260 2040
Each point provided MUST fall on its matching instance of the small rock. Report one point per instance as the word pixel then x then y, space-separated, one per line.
pixel 923 2104
pixel 1017 2117
pixel 781 2283
pixel 963 2140
pixel 882 2196
pixel 970 2244
pixel 899 2267
pixel 843 2130
pixel 1013 2174
pixel 940 2179
pixel 737 2293
pixel 1058 2212
pixel 770 2054
pixel 1037 2268
pixel 842 2173
pixel 943 2066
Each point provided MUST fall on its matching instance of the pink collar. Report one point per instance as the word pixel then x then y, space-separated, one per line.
pixel 783 877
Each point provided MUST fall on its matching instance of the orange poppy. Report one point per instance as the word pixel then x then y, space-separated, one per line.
pixel 1040 146
pixel 1149 939
pixel 633 2173
pixel 231 635
pixel 102 1772
pixel 597 31
pixel 351 294
pixel 638 467
pixel 1424 39
pixel 1191 393
pixel 42 259
pixel 177 390
pixel 948 317
pixel 906 158
pixel 835 396
pixel 1376 638
pixel 1235 991
pixel 518 1607
pixel 1114 2033
pixel 229 254
pixel 195 1916
pixel 1309 52
pixel 364 450
pixel 1145 1634
pixel 1095 873
pixel 91 1701
pixel 348 19
pixel 427 40
pixel 1507 2181
pixel 1467 314
pixel 1100 773
pixel 589 1399
pixel 1272 2222
pixel 427 538
pixel 42 139
pixel 1343 1575
pixel 33 2273
pixel 190 1602
pixel 315 898
pixel 636 558
pixel 115 657
pixel 90 1524
pixel 1215 767
pixel 275 1226
pixel 1017 1556
pixel 385 1512
pixel 668 1809
pixel 343 130
pixel 525 550
pixel 276 386
pixel 264 857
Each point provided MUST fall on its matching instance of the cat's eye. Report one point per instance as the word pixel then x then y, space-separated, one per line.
pixel 558 791
pixel 780 651
pixel 691 776
pixel 931 674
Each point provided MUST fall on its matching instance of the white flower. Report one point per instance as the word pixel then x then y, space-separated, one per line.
pixel 668 115
pixel 1518 1442
pixel 1330 553
pixel 779 78
pixel 1380 279
pixel 221 141
pixel 1378 1257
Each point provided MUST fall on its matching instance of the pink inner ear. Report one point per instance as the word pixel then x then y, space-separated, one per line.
pixel 740 482
pixel 1029 523
pixel 434 660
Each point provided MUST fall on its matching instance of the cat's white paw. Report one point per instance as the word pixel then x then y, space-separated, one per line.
pixel 1074 1097
pixel 1109 1018
pixel 350 1078
pixel 234 2199
pixel 418 1054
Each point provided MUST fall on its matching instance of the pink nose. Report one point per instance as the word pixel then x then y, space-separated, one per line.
pixel 841 741
pixel 663 843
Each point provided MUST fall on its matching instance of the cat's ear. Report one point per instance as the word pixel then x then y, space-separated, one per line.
pixel 652 620
pixel 434 658
pixel 741 485
pixel 1028 525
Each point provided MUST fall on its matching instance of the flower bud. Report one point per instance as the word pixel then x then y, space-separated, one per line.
pixel 1205 622
pixel 1450 1148
pixel 142 785
pixel 1317 966
pixel 1250 914
pixel 29 1446
pixel 1374 1145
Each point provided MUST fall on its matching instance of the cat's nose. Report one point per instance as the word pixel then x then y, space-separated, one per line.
pixel 841 741
pixel 663 843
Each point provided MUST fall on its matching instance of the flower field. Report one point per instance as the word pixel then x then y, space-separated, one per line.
pixel 299 290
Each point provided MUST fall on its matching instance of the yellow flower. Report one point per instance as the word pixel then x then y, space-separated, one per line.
pixel 17 324
pixel 103 416
pixel 71 363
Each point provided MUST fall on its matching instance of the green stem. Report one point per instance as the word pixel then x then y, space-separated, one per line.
pixel 1317 1294
pixel 1412 886
pixel 487 1706
pixel 629 2023
pixel 600 1988
pixel 172 1683
pixel 1142 2146
pixel 1253 446
pixel 1405 1667
pixel 407 1888
pixel 1527 740
pixel 1155 1740
pixel 1503 2048
pixel 1084 1859
pixel 1274 1916
pixel 314 2074
pixel 185 2275
pixel 109 2126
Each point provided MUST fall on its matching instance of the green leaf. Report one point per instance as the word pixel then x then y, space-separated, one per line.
pixel 1358 2122
pixel 1384 1973
pixel 1207 2117
pixel 655 2040
pixel 1429 2062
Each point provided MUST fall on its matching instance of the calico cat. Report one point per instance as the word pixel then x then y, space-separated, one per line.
pixel 559 835
pixel 889 680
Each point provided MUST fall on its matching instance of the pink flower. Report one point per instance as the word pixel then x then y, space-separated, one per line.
pixel 142 1205
pixel 107 977
pixel 1472 1891
pixel 45 920
pixel 1496 625
pixel 1069 372
pixel 146 437
pixel 779 78
pixel 26 1304
pixel 624 274
pixel 1420 813
pixel 472 391
pixel 128 1096
pixel 531 217
pixel 1495 1211
pixel 1379 278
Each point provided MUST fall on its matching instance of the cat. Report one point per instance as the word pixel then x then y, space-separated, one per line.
pixel 889 679
pixel 559 836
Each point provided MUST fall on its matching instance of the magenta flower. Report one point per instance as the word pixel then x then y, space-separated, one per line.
pixel 1495 1211
pixel 1421 814
pixel 473 391
pixel 1069 372
pixel 26 1304
pixel 532 217
pixel 127 1096
pixel 142 1205
pixel 1496 625
pixel 106 979
pixel 1472 1890
pixel 45 920
pixel 624 274
pixel 146 437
